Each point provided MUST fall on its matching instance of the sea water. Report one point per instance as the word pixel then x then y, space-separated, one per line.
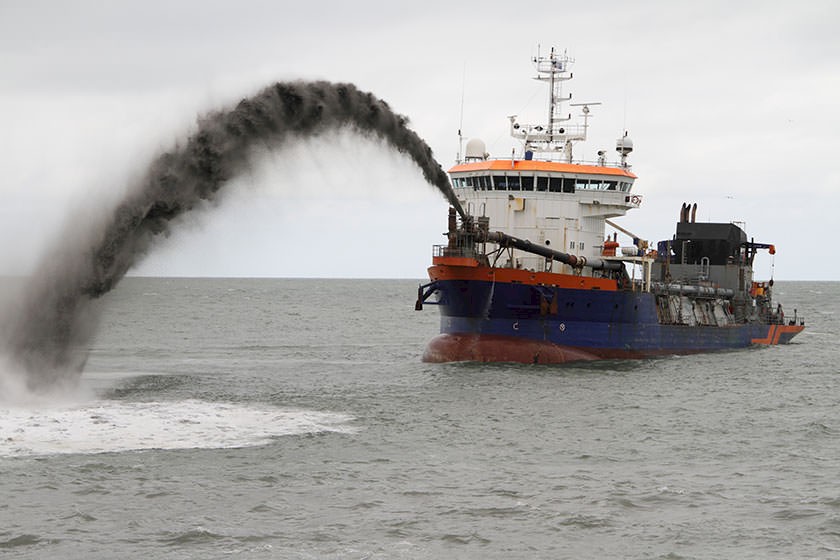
pixel 232 418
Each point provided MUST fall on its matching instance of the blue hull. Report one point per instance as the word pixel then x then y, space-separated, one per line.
pixel 480 318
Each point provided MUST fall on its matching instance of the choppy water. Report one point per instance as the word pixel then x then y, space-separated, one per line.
pixel 294 419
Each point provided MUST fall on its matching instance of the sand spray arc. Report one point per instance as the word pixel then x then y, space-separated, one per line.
pixel 48 332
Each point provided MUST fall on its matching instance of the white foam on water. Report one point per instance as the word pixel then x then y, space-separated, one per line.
pixel 112 426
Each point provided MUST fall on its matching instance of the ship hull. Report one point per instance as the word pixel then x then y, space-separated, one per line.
pixel 491 321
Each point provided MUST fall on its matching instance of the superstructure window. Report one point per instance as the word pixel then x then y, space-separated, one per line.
pixel 555 184
pixel 542 183
pixel 513 182
pixel 568 185
pixel 500 182
pixel 527 183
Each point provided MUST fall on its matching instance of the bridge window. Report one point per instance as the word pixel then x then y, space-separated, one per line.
pixel 595 184
pixel 528 183
pixel 540 183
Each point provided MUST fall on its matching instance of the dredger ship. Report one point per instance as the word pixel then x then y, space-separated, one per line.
pixel 530 274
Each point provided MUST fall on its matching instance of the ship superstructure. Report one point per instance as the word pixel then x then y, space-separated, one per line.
pixel 544 195
pixel 530 274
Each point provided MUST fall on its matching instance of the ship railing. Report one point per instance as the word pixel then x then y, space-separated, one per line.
pixel 777 318
pixel 557 157
pixel 447 251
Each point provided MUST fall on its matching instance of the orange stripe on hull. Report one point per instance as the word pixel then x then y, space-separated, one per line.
pixel 775 333
pixel 518 276
pixel 767 339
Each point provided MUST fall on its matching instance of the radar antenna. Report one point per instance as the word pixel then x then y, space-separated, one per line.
pixel 556 135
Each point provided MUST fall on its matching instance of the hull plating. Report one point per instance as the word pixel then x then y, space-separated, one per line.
pixel 511 322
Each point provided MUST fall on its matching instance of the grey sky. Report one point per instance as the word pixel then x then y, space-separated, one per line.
pixel 730 105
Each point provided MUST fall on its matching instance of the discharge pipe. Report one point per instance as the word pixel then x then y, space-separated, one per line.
pixel 505 240
pixel 690 289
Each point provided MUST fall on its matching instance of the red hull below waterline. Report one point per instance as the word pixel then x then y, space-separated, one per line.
pixel 495 348
pixel 492 348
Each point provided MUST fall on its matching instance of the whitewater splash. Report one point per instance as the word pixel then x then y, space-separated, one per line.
pixel 118 426
pixel 48 332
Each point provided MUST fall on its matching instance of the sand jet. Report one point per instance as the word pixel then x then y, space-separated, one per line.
pixel 48 333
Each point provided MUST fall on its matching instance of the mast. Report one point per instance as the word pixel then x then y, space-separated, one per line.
pixel 556 135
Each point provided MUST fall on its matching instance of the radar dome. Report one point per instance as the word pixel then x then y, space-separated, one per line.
pixel 476 150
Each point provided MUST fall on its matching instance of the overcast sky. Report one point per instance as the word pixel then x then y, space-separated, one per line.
pixel 733 105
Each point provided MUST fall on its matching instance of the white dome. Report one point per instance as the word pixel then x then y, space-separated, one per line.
pixel 476 149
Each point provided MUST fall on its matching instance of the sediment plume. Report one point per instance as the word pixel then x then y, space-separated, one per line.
pixel 48 333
